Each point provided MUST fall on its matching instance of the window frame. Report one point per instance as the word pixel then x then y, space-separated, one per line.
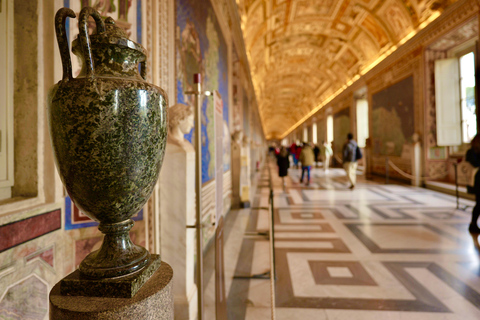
pixel 6 101
pixel 458 52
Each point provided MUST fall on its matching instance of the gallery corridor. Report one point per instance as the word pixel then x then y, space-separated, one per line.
pixel 377 252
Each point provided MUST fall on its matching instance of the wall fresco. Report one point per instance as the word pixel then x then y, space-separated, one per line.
pixel 201 48
pixel 393 118
pixel 341 127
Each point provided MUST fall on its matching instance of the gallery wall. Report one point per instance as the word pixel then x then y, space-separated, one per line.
pixel 43 236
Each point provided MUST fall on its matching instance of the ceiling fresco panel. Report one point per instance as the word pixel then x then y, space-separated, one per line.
pixel 396 18
pixel 368 48
pixel 375 30
pixel 314 8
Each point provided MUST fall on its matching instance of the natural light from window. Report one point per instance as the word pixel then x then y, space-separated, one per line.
pixel 467 95
pixel 330 129
pixel 362 122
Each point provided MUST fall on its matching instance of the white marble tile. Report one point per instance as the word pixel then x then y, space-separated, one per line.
pixel 303 235
pixel 263 221
pixel 303 244
pixel 343 195
pixel 302 228
pixel 261 257
pixel 299 314
pixel 339 272
pixel 264 201
pixel 361 315
pixel 259 293
pixel 304 285
pixel 430 199
pixel 280 202
pixel 296 196
pixel 306 215
pixel 452 299
pixel 286 217
pixel 407 237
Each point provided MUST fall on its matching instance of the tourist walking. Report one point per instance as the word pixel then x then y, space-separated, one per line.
pixel 283 164
pixel 293 152
pixel 473 157
pixel 307 160
pixel 327 152
pixel 298 151
pixel 350 159
pixel 316 153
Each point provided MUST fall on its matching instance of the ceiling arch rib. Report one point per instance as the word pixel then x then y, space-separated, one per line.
pixel 302 52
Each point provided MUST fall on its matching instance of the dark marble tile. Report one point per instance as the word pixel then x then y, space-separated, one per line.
pixel 360 276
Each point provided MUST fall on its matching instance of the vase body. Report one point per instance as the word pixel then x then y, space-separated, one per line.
pixel 109 137
pixel 108 131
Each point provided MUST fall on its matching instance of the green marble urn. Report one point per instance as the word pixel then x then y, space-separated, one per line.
pixel 108 129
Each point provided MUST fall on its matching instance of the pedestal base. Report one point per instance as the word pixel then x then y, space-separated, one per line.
pixel 75 284
pixel 154 301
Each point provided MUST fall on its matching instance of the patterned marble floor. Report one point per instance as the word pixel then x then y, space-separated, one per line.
pixel 377 252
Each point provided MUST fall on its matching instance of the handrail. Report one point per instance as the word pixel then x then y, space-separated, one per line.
pixel 273 270
pixel 411 177
pixel 271 274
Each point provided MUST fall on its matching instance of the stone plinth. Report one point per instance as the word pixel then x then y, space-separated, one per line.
pixel 236 158
pixel 177 210
pixel 154 301
pixel 75 284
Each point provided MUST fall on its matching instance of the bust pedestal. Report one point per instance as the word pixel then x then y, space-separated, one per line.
pixel 177 207
pixel 236 172
pixel 154 301
pixel 245 182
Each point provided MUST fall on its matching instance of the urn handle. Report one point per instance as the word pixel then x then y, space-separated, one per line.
pixel 85 38
pixel 61 32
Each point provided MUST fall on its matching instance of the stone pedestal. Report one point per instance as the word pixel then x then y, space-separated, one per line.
pixel 154 301
pixel 245 181
pixel 416 164
pixel 177 210
pixel 236 171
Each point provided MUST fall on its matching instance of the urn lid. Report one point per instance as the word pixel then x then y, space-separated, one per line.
pixel 113 35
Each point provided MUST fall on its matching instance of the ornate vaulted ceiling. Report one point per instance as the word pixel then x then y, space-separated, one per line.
pixel 303 52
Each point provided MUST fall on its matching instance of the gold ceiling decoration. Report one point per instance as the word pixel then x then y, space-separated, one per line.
pixel 302 53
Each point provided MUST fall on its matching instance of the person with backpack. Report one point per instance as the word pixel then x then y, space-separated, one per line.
pixel 307 159
pixel 473 157
pixel 283 164
pixel 351 154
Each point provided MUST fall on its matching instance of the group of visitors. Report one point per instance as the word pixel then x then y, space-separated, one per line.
pixel 308 155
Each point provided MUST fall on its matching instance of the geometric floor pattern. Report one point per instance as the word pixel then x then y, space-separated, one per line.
pixel 376 252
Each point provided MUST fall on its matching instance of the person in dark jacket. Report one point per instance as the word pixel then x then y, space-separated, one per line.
pixel 283 164
pixel 316 152
pixel 350 160
pixel 473 156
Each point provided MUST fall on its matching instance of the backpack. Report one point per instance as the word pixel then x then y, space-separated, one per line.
pixel 358 154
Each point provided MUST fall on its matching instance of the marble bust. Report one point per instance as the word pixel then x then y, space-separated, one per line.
pixel 180 122
pixel 237 136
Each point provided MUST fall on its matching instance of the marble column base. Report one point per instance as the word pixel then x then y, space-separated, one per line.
pixel 154 301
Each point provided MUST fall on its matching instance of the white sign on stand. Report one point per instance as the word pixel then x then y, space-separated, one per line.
pixel 218 105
